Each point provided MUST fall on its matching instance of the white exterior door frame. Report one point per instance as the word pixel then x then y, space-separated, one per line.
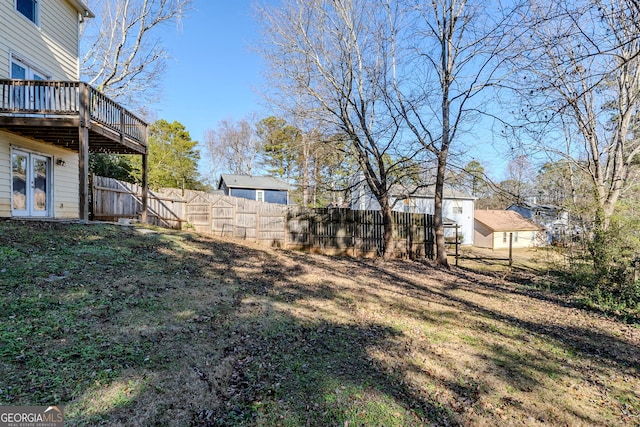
pixel 31 183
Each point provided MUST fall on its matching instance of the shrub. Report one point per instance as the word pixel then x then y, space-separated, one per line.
pixel 609 280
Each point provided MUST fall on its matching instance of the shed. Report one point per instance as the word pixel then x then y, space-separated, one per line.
pixel 492 229
pixel 260 188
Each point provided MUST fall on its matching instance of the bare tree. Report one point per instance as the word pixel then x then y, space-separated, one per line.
pixel 122 55
pixel 233 147
pixel 445 58
pixel 400 78
pixel 327 61
pixel 581 91
pixel 520 176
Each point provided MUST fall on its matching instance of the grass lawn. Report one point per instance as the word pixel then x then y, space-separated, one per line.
pixel 137 326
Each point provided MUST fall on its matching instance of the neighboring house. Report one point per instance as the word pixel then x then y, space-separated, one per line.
pixel 553 218
pixel 457 207
pixel 49 120
pixel 259 188
pixel 493 227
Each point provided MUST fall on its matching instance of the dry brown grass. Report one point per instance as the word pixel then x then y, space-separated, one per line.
pixel 214 332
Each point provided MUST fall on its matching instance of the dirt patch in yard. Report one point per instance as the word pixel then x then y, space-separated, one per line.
pixel 174 328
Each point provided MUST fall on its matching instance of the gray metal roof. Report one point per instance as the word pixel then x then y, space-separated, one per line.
pixel 257 182
pixel 428 192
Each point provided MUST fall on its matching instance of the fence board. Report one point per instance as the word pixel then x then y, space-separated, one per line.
pixel 113 199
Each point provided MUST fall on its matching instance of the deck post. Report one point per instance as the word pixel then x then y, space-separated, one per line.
pixel 83 151
pixel 510 249
pixel 145 188
pixel 457 243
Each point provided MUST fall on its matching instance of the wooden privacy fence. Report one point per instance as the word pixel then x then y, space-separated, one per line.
pixel 112 199
pixel 359 233
pixel 331 231
pixel 238 218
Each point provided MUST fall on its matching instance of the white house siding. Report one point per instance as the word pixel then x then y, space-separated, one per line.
pixel 65 198
pixel 363 199
pixel 427 205
pixel 52 48
pixel 554 220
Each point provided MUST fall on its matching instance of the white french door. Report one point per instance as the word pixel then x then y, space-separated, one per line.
pixel 30 184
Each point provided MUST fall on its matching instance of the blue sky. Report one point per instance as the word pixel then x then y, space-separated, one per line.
pixel 213 74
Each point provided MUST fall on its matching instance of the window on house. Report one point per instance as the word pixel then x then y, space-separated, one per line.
pixel 408 206
pixel 30 9
pixel 18 71
pixel 24 97
pixel 456 210
pixel 504 237
pixel 260 195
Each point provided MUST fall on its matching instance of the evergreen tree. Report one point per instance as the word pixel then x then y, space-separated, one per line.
pixel 173 157
pixel 118 166
pixel 280 145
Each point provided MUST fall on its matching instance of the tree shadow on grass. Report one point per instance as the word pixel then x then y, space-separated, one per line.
pixel 179 330
pixel 582 340
pixel 193 332
pixel 318 374
pixel 286 370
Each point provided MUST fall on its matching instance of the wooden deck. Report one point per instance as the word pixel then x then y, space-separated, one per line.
pixel 75 116
pixel 55 111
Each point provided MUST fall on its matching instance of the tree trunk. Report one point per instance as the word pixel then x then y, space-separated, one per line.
pixel 438 222
pixel 305 171
pixel 387 226
pixel 598 243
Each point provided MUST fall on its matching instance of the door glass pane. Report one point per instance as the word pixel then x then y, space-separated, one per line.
pixel 19 174
pixel 38 97
pixel 40 167
pixel 18 71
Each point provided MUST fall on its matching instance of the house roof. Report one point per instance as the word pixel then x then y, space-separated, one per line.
pixel 497 220
pixel 257 182
pixel 82 8
pixel 427 192
pixel 536 207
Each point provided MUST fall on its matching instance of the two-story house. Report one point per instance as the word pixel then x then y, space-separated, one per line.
pixel 553 219
pixel 457 207
pixel 49 120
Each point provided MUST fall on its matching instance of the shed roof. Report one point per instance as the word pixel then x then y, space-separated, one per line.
pixel 497 220
pixel 257 182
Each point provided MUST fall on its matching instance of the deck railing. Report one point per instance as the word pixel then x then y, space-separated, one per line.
pixel 63 98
